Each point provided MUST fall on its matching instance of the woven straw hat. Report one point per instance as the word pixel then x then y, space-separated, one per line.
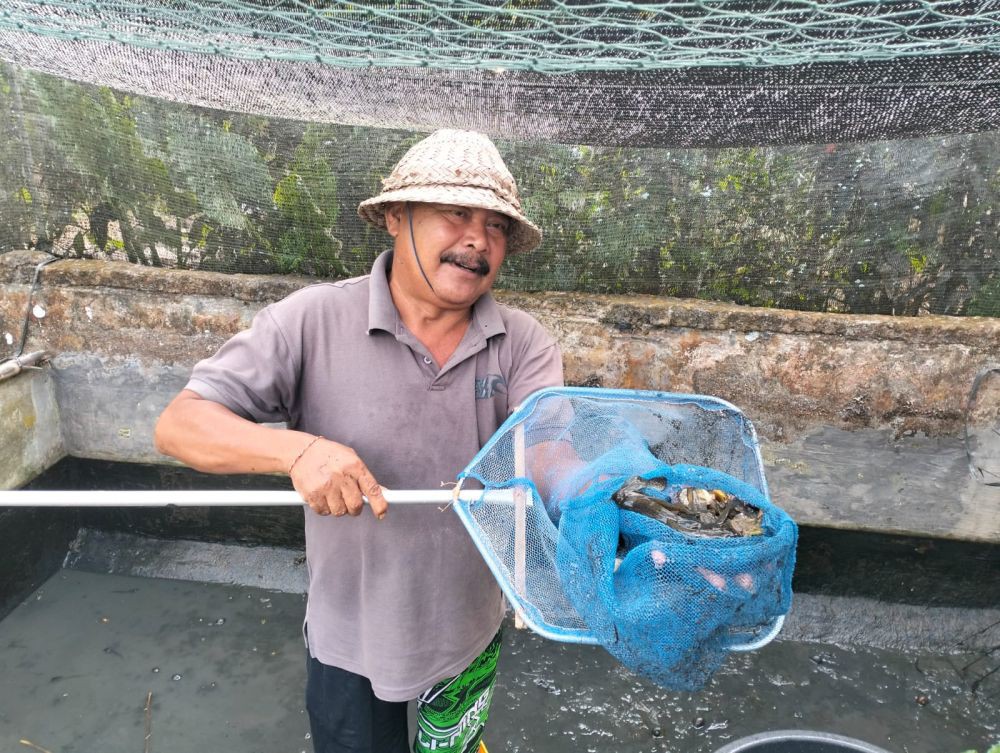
pixel 462 168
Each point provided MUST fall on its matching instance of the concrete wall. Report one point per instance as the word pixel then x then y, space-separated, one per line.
pixel 30 438
pixel 861 418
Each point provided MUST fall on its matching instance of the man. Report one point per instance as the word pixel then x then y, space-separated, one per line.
pixel 395 378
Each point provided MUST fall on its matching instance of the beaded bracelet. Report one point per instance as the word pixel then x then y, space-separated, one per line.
pixel 304 450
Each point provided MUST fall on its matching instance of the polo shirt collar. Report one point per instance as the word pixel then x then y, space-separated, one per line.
pixel 382 313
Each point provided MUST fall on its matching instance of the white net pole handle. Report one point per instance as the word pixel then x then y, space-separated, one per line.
pixel 220 498
pixel 520 525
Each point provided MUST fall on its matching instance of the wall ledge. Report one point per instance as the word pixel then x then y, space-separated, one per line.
pixel 632 314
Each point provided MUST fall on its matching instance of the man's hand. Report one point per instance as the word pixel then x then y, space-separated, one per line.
pixel 331 478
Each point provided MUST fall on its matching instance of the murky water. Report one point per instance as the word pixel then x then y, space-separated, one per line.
pixel 576 699
pixel 81 655
pixel 224 665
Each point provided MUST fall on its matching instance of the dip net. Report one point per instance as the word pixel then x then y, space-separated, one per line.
pixel 580 566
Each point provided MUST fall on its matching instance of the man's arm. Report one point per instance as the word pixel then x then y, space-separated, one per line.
pixel 209 437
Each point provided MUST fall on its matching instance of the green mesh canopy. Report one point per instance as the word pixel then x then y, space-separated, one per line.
pixel 728 72
pixel 830 156
pixel 531 35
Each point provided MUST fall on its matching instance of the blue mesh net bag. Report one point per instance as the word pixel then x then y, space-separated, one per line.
pixel 636 520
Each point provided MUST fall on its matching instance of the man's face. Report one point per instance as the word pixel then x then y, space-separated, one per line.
pixel 460 249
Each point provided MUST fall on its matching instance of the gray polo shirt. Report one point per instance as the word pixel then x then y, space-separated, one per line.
pixel 405 601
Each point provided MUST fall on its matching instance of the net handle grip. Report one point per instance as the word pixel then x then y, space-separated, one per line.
pixel 228 498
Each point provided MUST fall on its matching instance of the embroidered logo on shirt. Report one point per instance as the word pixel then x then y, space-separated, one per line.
pixel 490 385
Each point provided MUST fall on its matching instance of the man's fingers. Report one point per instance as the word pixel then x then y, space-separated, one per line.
pixel 373 491
pixel 351 494
pixel 318 504
pixel 335 502
pixel 339 482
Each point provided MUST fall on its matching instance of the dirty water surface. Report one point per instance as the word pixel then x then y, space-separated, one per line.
pixel 224 665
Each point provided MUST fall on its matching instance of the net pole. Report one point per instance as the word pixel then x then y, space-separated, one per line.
pixel 520 524
pixel 225 498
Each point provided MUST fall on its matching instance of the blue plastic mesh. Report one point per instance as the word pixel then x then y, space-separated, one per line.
pixel 668 605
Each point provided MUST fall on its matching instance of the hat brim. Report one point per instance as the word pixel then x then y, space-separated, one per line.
pixel 524 236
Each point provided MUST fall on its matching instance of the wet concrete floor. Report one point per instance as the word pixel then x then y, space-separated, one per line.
pixel 224 665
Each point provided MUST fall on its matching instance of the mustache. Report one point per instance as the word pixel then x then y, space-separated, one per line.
pixel 472 261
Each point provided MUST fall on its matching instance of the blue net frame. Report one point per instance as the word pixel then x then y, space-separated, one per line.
pixel 578 568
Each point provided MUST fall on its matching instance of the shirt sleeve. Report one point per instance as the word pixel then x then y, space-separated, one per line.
pixel 253 374
pixel 537 363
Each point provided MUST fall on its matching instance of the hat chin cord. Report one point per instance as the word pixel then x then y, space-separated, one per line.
pixel 413 245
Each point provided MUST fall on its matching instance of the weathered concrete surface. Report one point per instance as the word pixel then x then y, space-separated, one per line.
pixel 860 417
pixel 869 478
pixel 270 567
pixel 32 542
pixel 111 404
pixel 789 371
pixel 30 439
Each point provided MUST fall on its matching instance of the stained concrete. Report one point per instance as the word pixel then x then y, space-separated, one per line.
pixel 33 545
pixel 861 418
pixel 113 404
pixel 790 371
pixel 870 479
pixel 30 427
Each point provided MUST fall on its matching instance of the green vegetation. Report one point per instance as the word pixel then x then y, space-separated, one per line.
pixel 902 228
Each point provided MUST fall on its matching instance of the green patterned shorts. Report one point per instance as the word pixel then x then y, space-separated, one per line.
pixel 451 716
